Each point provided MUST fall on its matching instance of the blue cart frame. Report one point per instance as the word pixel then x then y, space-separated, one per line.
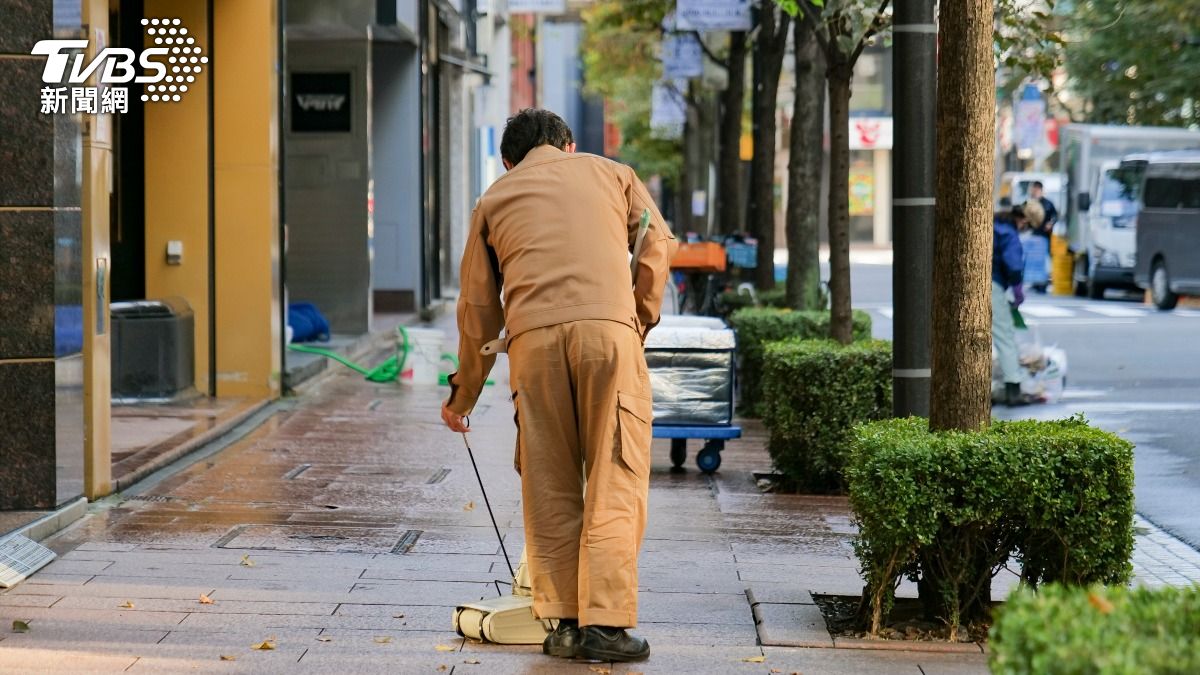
pixel 708 459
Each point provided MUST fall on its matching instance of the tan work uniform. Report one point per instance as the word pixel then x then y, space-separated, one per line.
pixel 555 233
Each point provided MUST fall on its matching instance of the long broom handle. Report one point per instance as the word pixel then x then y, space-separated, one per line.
pixel 488 504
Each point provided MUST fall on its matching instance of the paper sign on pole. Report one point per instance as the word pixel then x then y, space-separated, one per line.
pixel 682 57
pixel 668 110
pixel 713 15
pixel 537 6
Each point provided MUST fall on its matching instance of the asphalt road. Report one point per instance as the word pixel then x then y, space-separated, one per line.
pixel 1133 370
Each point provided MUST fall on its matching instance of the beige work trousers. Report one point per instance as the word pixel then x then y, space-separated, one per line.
pixel 582 395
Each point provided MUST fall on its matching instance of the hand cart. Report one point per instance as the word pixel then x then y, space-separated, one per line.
pixel 708 459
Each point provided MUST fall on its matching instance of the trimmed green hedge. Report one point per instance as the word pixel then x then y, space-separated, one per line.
pixel 950 508
pixel 814 392
pixel 1105 631
pixel 731 301
pixel 757 326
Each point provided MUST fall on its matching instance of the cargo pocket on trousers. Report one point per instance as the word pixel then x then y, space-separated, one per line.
pixel 634 415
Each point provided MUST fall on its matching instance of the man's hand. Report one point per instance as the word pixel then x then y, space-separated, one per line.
pixel 454 421
pixel 1018 295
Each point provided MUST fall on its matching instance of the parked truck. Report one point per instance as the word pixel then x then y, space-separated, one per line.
pixel 1103 241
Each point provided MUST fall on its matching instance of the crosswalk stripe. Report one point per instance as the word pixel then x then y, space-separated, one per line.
pixel 1117 312
pixel 1046 311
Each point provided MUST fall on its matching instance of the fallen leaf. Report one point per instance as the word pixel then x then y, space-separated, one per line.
pixel 1100 603
pixel 246 561
pixel 397 616
pixel 472 662
pixel 127 605
pixel 446 648
pixel 20 626
pixel 205 600
pixel 776 670
pixel 600 669
pixel 442 668
pixel 382 640
pixel 754 659
pixel 265 645
pixel 469 507
pixel 324 638
pixel 228 657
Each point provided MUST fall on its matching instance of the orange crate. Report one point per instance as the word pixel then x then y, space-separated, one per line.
pixel 705 256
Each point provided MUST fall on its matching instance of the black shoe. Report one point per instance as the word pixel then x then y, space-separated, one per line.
pixel 564 641
pixel 601 643
pixel 1013 396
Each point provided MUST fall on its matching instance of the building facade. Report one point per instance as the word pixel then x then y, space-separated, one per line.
pixel 290 151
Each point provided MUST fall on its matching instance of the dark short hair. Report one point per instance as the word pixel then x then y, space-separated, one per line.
pixel 1037 184
pixel 530 128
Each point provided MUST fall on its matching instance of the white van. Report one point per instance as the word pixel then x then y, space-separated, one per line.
pixel 1014 188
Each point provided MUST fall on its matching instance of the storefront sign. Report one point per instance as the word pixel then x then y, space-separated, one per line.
pixel 870 133
pixel 320 102
pixel 713 15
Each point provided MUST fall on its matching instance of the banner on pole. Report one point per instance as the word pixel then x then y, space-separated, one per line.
pixel 682 57
pixel 713 15
pixel 668 110
pixel 537 6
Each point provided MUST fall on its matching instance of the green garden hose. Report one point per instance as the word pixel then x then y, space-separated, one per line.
pixel 390 369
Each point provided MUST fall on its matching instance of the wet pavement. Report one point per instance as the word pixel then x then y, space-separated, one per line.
pixel 344 529
pixel 347 526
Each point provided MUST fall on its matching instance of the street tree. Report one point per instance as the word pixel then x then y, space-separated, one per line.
pixel 842 29
pixel 962 316
pixel 620 58
pixel 802 222
pixel 729 138
pixel 770 47
pixel 1136 62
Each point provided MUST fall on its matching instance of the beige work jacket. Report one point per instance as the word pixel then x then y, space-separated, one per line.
pixel 554 235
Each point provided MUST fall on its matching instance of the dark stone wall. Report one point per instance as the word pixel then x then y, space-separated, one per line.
pixel 31 200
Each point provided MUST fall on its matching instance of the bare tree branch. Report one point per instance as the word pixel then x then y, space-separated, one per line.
pixel 809 13
pixel 708 52
pixel 876 25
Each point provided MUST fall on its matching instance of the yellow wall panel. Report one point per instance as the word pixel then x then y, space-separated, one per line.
pixel 177 186
pixel 246 137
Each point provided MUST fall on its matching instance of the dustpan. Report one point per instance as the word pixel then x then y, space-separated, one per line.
pixel 507 620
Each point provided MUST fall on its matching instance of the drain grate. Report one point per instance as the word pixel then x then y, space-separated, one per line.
pixel 291 475
pixel 21 556
pixel 439 476
pixel 406 542
pixel 150 498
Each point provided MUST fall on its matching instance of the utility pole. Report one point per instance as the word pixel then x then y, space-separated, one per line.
pixel 914 78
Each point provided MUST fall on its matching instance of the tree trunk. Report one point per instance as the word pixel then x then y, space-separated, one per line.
pixel 962 309
pixel 768 56
pixel 840 320
pixel 683 183
pixel 804 173
pixel 729 167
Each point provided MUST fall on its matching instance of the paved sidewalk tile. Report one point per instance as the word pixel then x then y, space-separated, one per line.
pixel 348 526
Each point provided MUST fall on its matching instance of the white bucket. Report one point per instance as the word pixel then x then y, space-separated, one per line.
pixel 424 355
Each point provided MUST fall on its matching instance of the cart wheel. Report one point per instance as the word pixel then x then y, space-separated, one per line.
pixel 678 453
pixel 709 459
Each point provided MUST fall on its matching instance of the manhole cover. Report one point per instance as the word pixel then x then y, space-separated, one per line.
pixel 310 538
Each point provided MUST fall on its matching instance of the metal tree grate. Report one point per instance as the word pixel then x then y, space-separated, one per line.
pixel 19 557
